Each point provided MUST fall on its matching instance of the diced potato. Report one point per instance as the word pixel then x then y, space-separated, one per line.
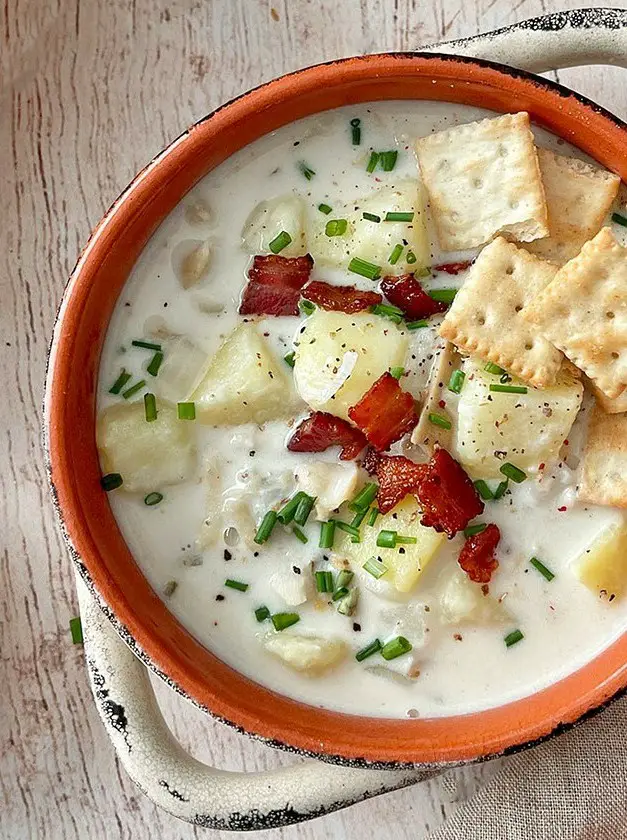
pixel 311 654
pixel 526 429
pixel 330 484
pixel 462 600
pixel 603 567
pixel 405 563
pixel 340 356
pixel 268 219
pixel 243 383
pixel 183 365
pixel 290 587
pixel 374 241
pixel 148 456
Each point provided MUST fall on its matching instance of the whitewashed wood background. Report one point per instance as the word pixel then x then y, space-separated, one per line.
pixel 89 92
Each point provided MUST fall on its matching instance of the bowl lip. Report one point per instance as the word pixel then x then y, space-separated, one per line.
pixel 590 705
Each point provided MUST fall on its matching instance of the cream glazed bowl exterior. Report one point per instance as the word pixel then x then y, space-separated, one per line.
pixel 125 623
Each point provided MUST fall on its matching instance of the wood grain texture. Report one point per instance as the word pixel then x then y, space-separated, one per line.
pixel 90 91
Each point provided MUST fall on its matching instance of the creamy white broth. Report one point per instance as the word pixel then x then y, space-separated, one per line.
pixel 462 668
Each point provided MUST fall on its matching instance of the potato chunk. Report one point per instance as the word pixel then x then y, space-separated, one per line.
pixel 311 654
pixel 405 563
pixel 526 429
pixel 243 383
pixel 339 356
pixel 148 456
pixel 603 568
pixel 370 240
pixel 270 218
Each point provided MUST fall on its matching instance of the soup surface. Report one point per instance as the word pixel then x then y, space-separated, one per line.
pixel 363 612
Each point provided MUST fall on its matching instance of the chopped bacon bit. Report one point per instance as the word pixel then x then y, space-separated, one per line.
pixel 274 285
pixel 340 298
pixel 407 293
pixel 321 430
pixel 397 476
pixel 447 495
pixel 453 267
pixel 477 556
pixel 385 413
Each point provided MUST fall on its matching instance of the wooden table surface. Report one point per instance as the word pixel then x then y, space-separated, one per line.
pixel 89 92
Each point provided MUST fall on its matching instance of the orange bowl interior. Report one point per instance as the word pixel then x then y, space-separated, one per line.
pixel 89 300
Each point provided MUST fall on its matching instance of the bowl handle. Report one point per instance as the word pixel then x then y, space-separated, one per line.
pixel 189 789
pixel 551 42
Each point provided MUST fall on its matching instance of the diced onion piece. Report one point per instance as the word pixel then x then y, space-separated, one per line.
pixel 462 600
pixel 330 484
pixel 183 365
pixel 292 588
pixel 310 654
pixel 271 218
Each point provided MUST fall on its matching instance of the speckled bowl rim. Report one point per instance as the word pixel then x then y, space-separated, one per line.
pixel 96 544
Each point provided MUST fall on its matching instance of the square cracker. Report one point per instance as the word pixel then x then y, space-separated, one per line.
pixel 483 178
pixel 583 311
pixel 604 463
pixel 485 316
pixel 578 198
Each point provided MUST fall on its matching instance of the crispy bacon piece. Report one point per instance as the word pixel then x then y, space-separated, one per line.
pixel 385 413
pixel 340 298
pixel 397 476
pixel 321 430
pixel 447 496
pixel 274 285
pixel 477 556
pixel 453 267
pixel 407 293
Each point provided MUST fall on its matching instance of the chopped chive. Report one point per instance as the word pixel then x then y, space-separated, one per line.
pixel 399 217
pixel 443 295
pixel 364 268
pixel 397 372
pixel 283 620
pixel 495 369
pixel 153 499
pixel 289 359
pixel 327 534
pixel 307 171
pixel 405 540
pixel 416 325
pixel 236 584
pixel 359 518
pixel 299 534
pixel 501 489
pixel 324 208
pixel 356 131
pixel 388 160
pixel 395 648
pixel 76 629
pixel 396 253
pixel 471 530
pixel 365 497
pixel 411 258
pixel 509 389
pixel 336 227
pixel 373 516
pixel 456 381
pixel 281 241
pixel 301 515
pixel 386 539
pixel 513 637
pixel 440 420
pixel 344 526
pixel 513 472
pixel 150 407
pixel 375 567
pixel 340 593
pixel 111 481
pixel 306 307
pixel 288 511
pixel 324 581
pixel 130 392
pixel 155 363
pixel 120 382
pixel 620 220
pixel 369 650
pixel 483 490
pixel 265 529
pixel 540 567
pixel 386 311
pixel 147 345
pixel 347 604
pixel 186 410
pixel 371 217
pixel 261 613
pixel 344 578
pixel 372 163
